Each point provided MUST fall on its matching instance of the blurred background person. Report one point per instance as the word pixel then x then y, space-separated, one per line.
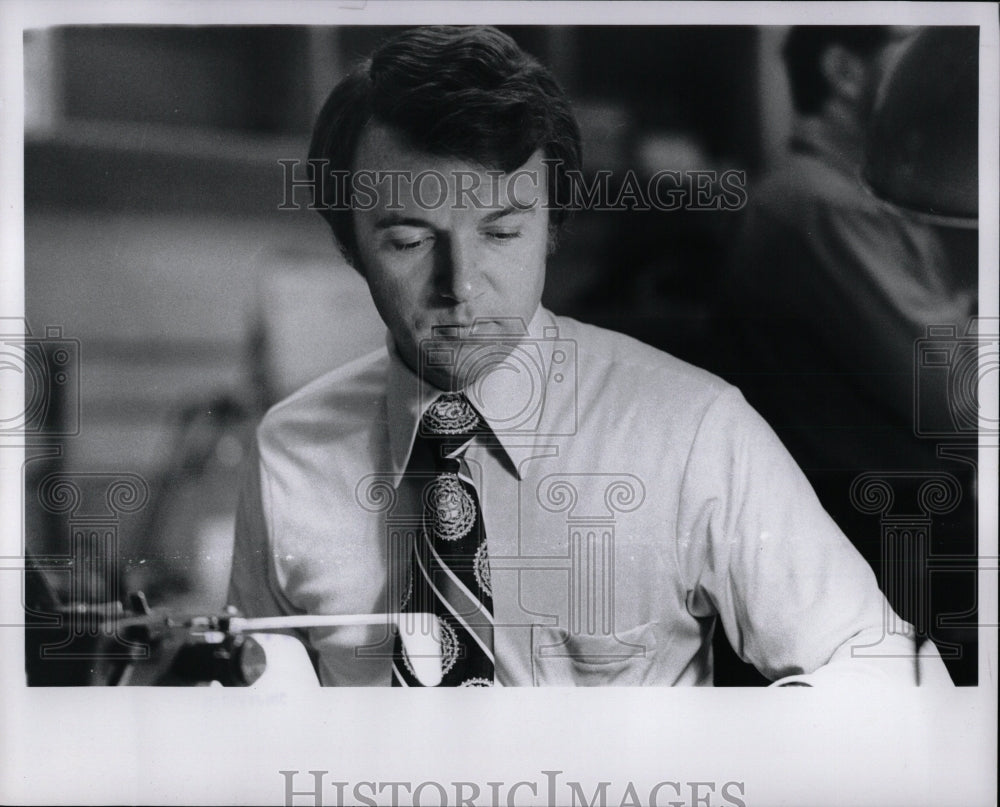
pixel 828 292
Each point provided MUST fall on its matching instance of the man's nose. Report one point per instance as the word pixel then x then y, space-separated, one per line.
pixel 459 277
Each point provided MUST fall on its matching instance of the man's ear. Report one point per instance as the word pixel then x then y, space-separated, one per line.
pixel 845 72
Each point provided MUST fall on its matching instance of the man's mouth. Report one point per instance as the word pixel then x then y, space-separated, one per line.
pixel 457 331
pixel 479 327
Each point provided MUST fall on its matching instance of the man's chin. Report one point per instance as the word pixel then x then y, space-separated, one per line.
pixel 454 365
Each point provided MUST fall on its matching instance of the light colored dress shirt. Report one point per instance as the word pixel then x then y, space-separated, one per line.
pixel 631 501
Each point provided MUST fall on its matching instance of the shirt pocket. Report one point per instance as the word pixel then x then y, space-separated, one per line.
pixel 562 658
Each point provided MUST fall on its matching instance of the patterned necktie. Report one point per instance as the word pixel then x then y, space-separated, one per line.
pixel 450 572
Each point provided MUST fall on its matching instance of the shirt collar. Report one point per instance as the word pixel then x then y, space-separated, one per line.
pixel 508 404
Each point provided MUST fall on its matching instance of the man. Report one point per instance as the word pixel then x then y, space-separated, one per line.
pixel 827 296
pixel 570 506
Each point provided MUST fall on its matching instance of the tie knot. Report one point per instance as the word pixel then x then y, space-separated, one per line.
pixel 451 414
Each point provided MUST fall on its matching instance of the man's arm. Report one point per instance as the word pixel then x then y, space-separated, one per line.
pixel 793 595
pixel 253 585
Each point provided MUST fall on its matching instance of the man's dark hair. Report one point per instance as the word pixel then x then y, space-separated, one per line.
pixel 804 49
pixel 468 93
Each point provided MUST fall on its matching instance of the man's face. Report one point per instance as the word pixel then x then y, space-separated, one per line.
pixel 443 243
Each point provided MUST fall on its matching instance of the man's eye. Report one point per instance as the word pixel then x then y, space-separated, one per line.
pixel 406 246
pixel 503 235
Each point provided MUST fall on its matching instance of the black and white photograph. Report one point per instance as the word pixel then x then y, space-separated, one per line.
pixel 637 361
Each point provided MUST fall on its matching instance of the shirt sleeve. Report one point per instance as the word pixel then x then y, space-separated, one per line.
pixel 794 597
pixel 253 585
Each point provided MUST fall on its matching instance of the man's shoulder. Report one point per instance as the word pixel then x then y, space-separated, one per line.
pixel 343 401
pixel 609 357
pixel 807 181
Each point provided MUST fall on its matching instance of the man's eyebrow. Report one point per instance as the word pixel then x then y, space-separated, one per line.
pixel 514 210
pixel 395 220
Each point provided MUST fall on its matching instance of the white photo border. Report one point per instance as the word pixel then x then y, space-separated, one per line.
pixel 227 746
